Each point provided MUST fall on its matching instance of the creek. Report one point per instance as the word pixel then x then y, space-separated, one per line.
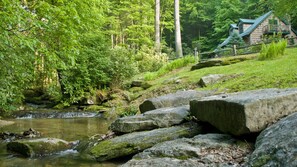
pixel 69 129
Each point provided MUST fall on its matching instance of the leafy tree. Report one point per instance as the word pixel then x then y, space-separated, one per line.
pixel 17 51
pixel 227 13
pixel 197 23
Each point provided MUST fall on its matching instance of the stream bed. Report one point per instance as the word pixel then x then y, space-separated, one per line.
pixel 69 129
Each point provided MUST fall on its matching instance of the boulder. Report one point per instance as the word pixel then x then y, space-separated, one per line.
pixel 38 147
pixel 140 83
pixel 208 63
pixel 159 118
pixel 210 79
pixel 136 83
pixel 202 150
pixel 132 143
pixel 215 78
pixel 277 145
pixel 10 136
pixel 245 112
pixel 223 61
pixel 179 98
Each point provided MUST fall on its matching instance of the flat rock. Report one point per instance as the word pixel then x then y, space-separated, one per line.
pixel 132 143
pixel 5 123
pixel 202 150
pixel 245 112
pixel 38 147
pixel 215 78
pixel 277 145
pixel 179 98
pixel 210 79
pixel 159 118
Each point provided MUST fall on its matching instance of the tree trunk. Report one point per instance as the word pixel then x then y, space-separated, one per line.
pixel 157 27
pixel 178 44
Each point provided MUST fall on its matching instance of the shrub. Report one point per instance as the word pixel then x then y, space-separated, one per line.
pixel 122 65
pixel 148 60
pixel 272 50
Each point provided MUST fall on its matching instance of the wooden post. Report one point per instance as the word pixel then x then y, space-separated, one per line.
pixel 196 53
pixel 234 50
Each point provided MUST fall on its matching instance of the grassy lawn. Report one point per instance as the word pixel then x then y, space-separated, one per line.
pixel 280 72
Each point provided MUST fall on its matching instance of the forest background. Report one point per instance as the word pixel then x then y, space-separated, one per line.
pixel 67 49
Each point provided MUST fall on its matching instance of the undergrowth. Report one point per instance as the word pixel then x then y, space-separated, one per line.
pixel 272 50
pixel 178 63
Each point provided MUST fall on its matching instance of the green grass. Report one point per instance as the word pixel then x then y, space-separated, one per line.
pixel 280 72
pixel 178 63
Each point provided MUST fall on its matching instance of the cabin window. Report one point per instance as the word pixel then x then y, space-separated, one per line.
pixel 273 24
pixel 240 28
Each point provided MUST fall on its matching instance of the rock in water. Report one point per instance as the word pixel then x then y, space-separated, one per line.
pixel 277 145
pixel 245 112
pixel 38 147
pixel 5 123
pixel 202 150
pixel 179 98
pixel 159 118
pixel 136 142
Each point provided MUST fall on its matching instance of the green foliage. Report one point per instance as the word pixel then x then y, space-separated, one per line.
pixel 272 50
pixel 250 75
pixel 236 40
pixel 129 111
pixel 148 60
pixel 123 65
pixel 175 64
pixel 17 48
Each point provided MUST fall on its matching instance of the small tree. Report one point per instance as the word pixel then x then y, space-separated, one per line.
pixel 236 39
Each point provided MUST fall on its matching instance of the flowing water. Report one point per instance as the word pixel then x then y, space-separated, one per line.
pixel 69 129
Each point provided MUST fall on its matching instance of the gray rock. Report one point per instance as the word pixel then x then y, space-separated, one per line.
pixel 179 98
pixel 277 145
pixel 136 83
pixel 202 150
pixel 136 142
pixel 210 79
pixel 208 63
pixel 38 147
pixel 245 112
pixel 222 61
pixel 140 83
pixel 159 118
pixel 215 78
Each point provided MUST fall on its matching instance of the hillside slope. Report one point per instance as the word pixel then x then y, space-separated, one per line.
pixel 253 74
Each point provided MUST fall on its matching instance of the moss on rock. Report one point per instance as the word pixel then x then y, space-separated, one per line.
pixel 133 143
pixel 38 147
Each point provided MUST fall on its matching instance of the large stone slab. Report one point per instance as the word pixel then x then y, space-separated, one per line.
pixel 38 147
pixel 245 112
pixel 159 118
pixel 179 98
pixel 136 142
pixel 277 145
pixel 202 150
